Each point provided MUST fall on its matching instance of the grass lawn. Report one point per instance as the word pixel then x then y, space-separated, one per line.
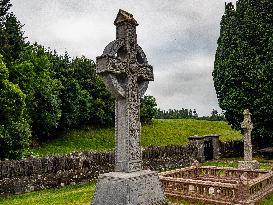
pixel 160 132
pixel 70 195
pixel 82 194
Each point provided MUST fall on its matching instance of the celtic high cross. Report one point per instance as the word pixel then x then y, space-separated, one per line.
pixel 126 73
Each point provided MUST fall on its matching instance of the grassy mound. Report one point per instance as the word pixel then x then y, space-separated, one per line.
pixel 159 133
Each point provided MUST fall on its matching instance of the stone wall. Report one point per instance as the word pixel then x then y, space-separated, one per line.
pixel 232 149
pixel 55 171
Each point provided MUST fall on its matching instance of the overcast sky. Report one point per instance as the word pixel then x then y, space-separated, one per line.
pixel 179 38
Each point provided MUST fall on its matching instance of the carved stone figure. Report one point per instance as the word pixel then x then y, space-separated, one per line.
pixel 126 73
pixel 247 126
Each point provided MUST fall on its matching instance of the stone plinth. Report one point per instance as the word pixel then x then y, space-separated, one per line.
pixel 136 188
pixel 251 165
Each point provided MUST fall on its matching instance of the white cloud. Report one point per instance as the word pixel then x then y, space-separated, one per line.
pixel 178 37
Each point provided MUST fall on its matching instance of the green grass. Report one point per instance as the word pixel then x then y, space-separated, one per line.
pixel 70 195
pixel 78 140
pixel 233 162
pixel 159 133
pixel 267 201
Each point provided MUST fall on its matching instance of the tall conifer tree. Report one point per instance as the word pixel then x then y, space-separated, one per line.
pixel 243 68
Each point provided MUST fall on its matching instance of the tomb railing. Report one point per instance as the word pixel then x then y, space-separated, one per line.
pixel 199 190
pixel 218 185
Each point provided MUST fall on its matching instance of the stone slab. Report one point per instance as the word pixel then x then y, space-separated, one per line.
pixel 136 188
pixel 252 165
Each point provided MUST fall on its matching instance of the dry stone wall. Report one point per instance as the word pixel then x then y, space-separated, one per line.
pixel 232 149
pixel 55 171
pixel 32 174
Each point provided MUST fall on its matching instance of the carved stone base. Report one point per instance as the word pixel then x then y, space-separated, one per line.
pixel 253 164
pixel 136 188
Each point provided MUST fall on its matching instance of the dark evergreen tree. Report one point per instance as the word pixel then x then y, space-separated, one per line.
pixel 4 7
pixel 243 71
pixel 12 39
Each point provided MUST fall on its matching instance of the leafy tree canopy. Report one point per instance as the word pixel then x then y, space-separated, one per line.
pixel 243 68
pixel 14 130
pixel 148 109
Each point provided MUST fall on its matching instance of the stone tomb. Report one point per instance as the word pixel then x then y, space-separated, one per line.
pixel 218 185
pixel 208 147
pixel 126 73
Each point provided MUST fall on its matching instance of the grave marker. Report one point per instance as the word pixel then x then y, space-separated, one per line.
pixel 247 126
pixel 126 73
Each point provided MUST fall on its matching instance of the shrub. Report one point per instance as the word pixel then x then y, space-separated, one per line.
pixel 148 109
pixel 15 132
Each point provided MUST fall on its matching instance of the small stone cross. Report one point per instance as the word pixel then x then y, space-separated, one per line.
pixel 247 127
pixel 126 73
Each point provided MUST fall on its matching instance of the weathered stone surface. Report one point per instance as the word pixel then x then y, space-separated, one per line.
pixel 247 126
pixel 200 141
pixel 142 187
pixel 215 144
pixel 126 73
pixel 218 185
pixel 250 164
pixel 231 149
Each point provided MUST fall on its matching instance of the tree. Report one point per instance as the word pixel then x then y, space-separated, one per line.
pixel 195 115
pixel 148 109
pixel 33 73
pixel 15 132
pixel 4 7
pixel 102 110
pixel 12 39
pixel 76 102
pixel 243 67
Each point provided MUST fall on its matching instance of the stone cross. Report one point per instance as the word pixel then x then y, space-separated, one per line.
pixel 247 127
pixel 126 73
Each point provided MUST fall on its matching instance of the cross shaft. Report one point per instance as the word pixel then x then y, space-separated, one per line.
pixel 126 72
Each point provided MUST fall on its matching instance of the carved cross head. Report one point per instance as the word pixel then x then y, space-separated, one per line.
pixel 247 124
pixel 123 63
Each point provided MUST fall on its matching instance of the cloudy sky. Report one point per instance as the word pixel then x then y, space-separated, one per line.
pixel 178 36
